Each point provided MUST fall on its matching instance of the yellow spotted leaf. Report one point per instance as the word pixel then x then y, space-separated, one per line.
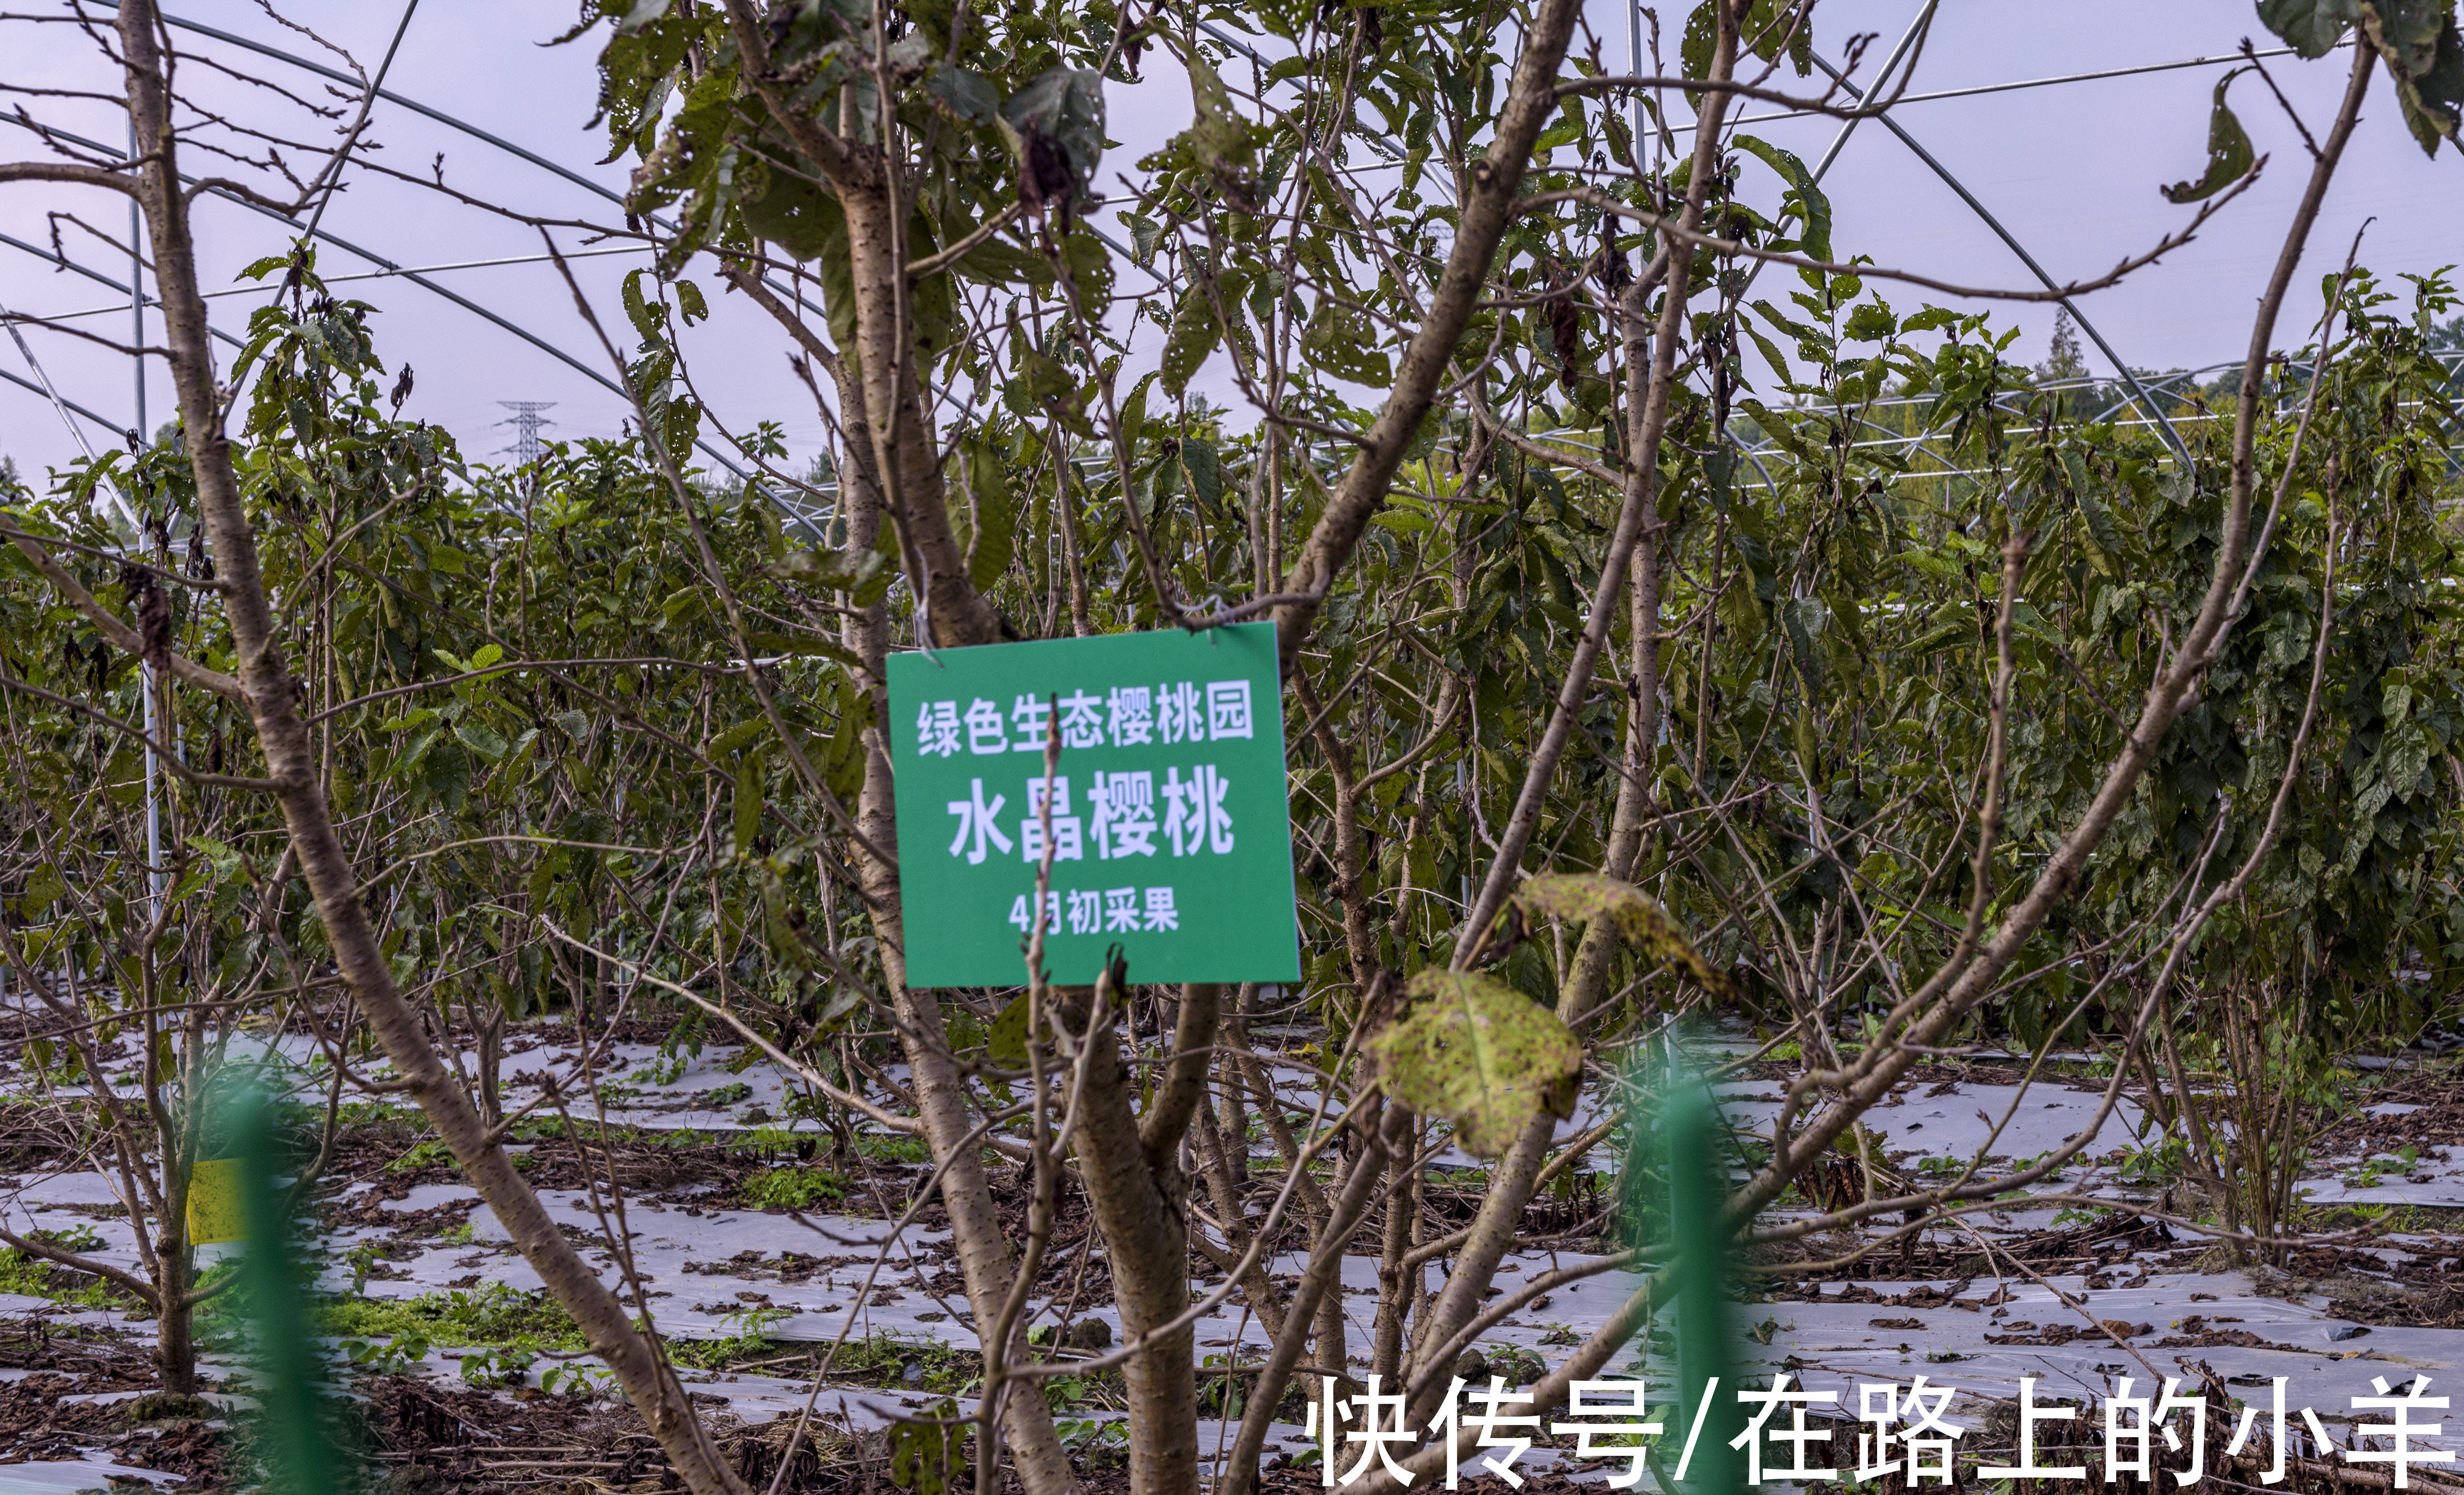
pixel 1480 1055
pixel 1643 923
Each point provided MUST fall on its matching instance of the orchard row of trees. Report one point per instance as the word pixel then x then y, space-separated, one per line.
pixel 1672 626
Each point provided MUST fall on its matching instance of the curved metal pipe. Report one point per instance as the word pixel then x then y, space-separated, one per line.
pixel 386 94
pixel 66 263
pixel 2138 392
pixel 416 279
pixel 60 402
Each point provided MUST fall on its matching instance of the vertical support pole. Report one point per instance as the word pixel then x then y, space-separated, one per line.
pixel 138 441
pixel 1633 66
pixel 136 301
pixel 1705 1378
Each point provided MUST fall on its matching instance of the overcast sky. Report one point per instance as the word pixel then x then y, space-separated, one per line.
pixel 2073 171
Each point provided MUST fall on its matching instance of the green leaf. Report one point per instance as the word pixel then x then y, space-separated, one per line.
pixel 637 14
pixel 1065 105
pixel 968 95
pixel 2425 56
pixel 1773 24
pixel 259 269
pixel 1640 921
pixel 1341 342
pixel 992 514
pixel 843 758
pixel 1134 415
pixel 1219 137
pixel 838 570
pixel 1804 619
pixel 481 738
pixel 783 922
pixel 736 738
pixel 1006 264
pixel 2311 27
pixel 689 303
pixel 1204 471
pixel 42 890
pixel 1144 234
pixel 1953 625
pixel 748 801
pixel 1770 354
pixel 1006 1045
pixel 641 311
pixel 808 224
pixel 1870 322
pixel 2229 154
pixel 683 605
pixel 1480 1055
pixel 1091 265
pixel 2405 32
pixel 1778 428
pixel 1808 202
pixel 801 644
pixel 933 318
pixel 1047 378
pixel 2101 530
pixel 1702 40
pixel 486 654
pixel 447 775
pixel 1194 334
pixel 928 1458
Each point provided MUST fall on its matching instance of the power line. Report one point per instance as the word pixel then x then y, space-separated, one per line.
pixel 605 193
pixel 368 274
pixel 65 263
pixel 387 95
pixel 62 402
pixel 413 277
pixel 367 103
pixel 2140 395
pixel 1980 89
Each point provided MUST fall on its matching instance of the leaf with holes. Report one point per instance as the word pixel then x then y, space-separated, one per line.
pixel 1195 333
pixel 2228 153
pixel 1480 1055
pixel 2425 56
pixel 1641 922
pixel 2311 27
pixel 1064 105
pixel 1341 342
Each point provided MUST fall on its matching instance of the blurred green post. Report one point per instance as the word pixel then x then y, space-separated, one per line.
pixel 296 1433
pixel 1703 1342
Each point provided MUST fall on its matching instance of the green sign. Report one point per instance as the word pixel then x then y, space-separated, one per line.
pixel 1171 825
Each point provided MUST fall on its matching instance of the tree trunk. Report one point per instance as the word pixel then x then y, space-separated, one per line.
pixel 1135 1184
pixel 1512 1182
pixel 492 1062
pixel 975 1231
pixel 906 457
pixel 175 1325
pixel 269 691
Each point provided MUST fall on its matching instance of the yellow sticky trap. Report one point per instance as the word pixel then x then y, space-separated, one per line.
pixel 215 1211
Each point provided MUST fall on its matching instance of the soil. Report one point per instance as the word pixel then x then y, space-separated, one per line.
pixel 2359 1281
